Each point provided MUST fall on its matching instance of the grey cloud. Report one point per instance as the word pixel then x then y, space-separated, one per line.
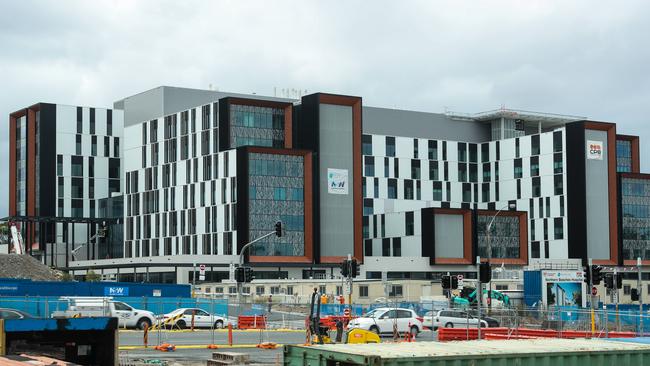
pixel 581 57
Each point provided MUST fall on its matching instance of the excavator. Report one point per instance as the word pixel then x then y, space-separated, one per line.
pixel 319 334
pixel 468 297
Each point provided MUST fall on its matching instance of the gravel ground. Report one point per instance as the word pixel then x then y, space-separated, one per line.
pixel 24 266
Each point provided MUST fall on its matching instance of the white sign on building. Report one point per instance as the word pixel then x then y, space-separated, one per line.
pixel 337 181
pixel 594 150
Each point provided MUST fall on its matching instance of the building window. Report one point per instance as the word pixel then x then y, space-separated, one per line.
pixel 77 164
pixel 462 172
pixel 59 165
pixel 79 120
pixel 368 248
pixel 558 227
pixel 433 150
pixel 517 169
pixel 433 170
pixel 467 192
pixel 415 169
pixel 627 289
pixel 557 163
pixel 410 225
pixel 534 166
pixel 339 290
pixel 535 144
pixel 385 247
pixel 366 141
pixel 397 247
pixel 289 290
pixel 558 185
pixel 363 291
pixel 369 166
pixel 408 189
pixel 390 146
pixel 395 291
pixel 557 141
pixel 437 191
pixel 367 206
pixel 392 188
pixel 534 246
pixel 537 189
pixel 485 152
pixel 462 152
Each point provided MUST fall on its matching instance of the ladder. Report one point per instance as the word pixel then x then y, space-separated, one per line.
pixel 17 240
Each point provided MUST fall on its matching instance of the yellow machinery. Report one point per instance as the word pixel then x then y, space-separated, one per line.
pixel 320 334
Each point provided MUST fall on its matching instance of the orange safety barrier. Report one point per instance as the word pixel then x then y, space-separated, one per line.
pixel 251 322
pixel 166 347
pixel 212 346
pixel 463 334
pixel 267 345
pixel 330 321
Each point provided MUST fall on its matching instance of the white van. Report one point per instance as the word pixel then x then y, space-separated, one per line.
pixel 126 315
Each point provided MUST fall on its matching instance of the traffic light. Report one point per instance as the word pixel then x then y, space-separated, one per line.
pixel 634 294
pixel 485 272
pixel 248 274
pixel 345 268
pixel 454 281
pixel 609 281
pixel 355 269
pixel 619 281
pixel 239 275
pixel 278 229
pixel 446 282
pixel 596 275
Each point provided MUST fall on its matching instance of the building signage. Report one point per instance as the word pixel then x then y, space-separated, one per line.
pixel 337 181
pixel 563 276
pixel 9 287
pixel 594 150
pixel 116 291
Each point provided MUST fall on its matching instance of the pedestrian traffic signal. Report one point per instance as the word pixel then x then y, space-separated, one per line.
pixel 239 275
pixel 596 275
pixel 355 269
pixel 634 294
pixel 278 229
pixel 619 281
pixel 485 272
pixel 446 282
pixel 248 274
pixel 345 268
pixel 609 281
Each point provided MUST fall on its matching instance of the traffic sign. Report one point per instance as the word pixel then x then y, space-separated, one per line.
pixel 202 270
pixel 594 291
pixel 346 312
pixel 201 277
pixel 460 282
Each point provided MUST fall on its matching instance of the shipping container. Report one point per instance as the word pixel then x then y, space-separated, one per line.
pixel 534 352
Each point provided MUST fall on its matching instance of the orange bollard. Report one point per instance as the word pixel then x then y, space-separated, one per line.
pixel 146 335
pixel 230 334
pixel 193 312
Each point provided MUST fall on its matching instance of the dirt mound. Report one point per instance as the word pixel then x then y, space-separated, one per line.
pixel 24 266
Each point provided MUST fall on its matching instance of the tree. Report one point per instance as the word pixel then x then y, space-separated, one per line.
pixel 91 276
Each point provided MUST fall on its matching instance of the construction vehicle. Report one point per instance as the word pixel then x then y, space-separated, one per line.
pixel 468 297
pixel 319 334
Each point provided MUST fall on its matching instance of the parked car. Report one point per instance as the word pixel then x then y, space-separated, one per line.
pixel 202 319
pixel 126 315
pixel 427 319
pixel 460 319
pixel 382 320
pixel 7 313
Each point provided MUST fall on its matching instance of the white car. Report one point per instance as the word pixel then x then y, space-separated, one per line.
pixel 202 319
pixel 383 320
pixel 126 315
pixel 455 319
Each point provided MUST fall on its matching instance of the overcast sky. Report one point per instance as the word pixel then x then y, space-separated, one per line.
pixel 587 58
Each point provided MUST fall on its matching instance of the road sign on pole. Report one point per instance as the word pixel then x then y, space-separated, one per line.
pixel 460 282
pixel 202 272
pixel 594 291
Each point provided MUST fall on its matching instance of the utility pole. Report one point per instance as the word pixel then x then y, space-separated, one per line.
pixel 593 297
pixel 349 263
pixel 193 279
pixel 479 292
pixel 639 290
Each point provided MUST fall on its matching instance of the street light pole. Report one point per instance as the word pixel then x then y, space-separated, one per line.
pixel 241 261
pixel 489 248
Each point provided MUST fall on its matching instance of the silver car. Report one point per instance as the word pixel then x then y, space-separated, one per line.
pixel 456 319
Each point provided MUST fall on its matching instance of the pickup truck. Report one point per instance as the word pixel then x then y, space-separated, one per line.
pixel 127 316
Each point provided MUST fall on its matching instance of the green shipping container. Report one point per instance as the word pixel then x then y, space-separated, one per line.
pixel 529 352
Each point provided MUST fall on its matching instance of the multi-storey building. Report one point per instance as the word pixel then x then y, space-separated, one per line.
pixel 410 194
pixel 63 160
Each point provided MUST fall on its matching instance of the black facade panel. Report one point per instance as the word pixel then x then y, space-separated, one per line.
pixel 305 136
pixel 474 235
pixel 576 196
pixel 428 234
pixel 242 197
pixel 224 124
pixel 47 154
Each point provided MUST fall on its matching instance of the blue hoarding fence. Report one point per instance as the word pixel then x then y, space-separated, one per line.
pixel 17 287
pixel 44 306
